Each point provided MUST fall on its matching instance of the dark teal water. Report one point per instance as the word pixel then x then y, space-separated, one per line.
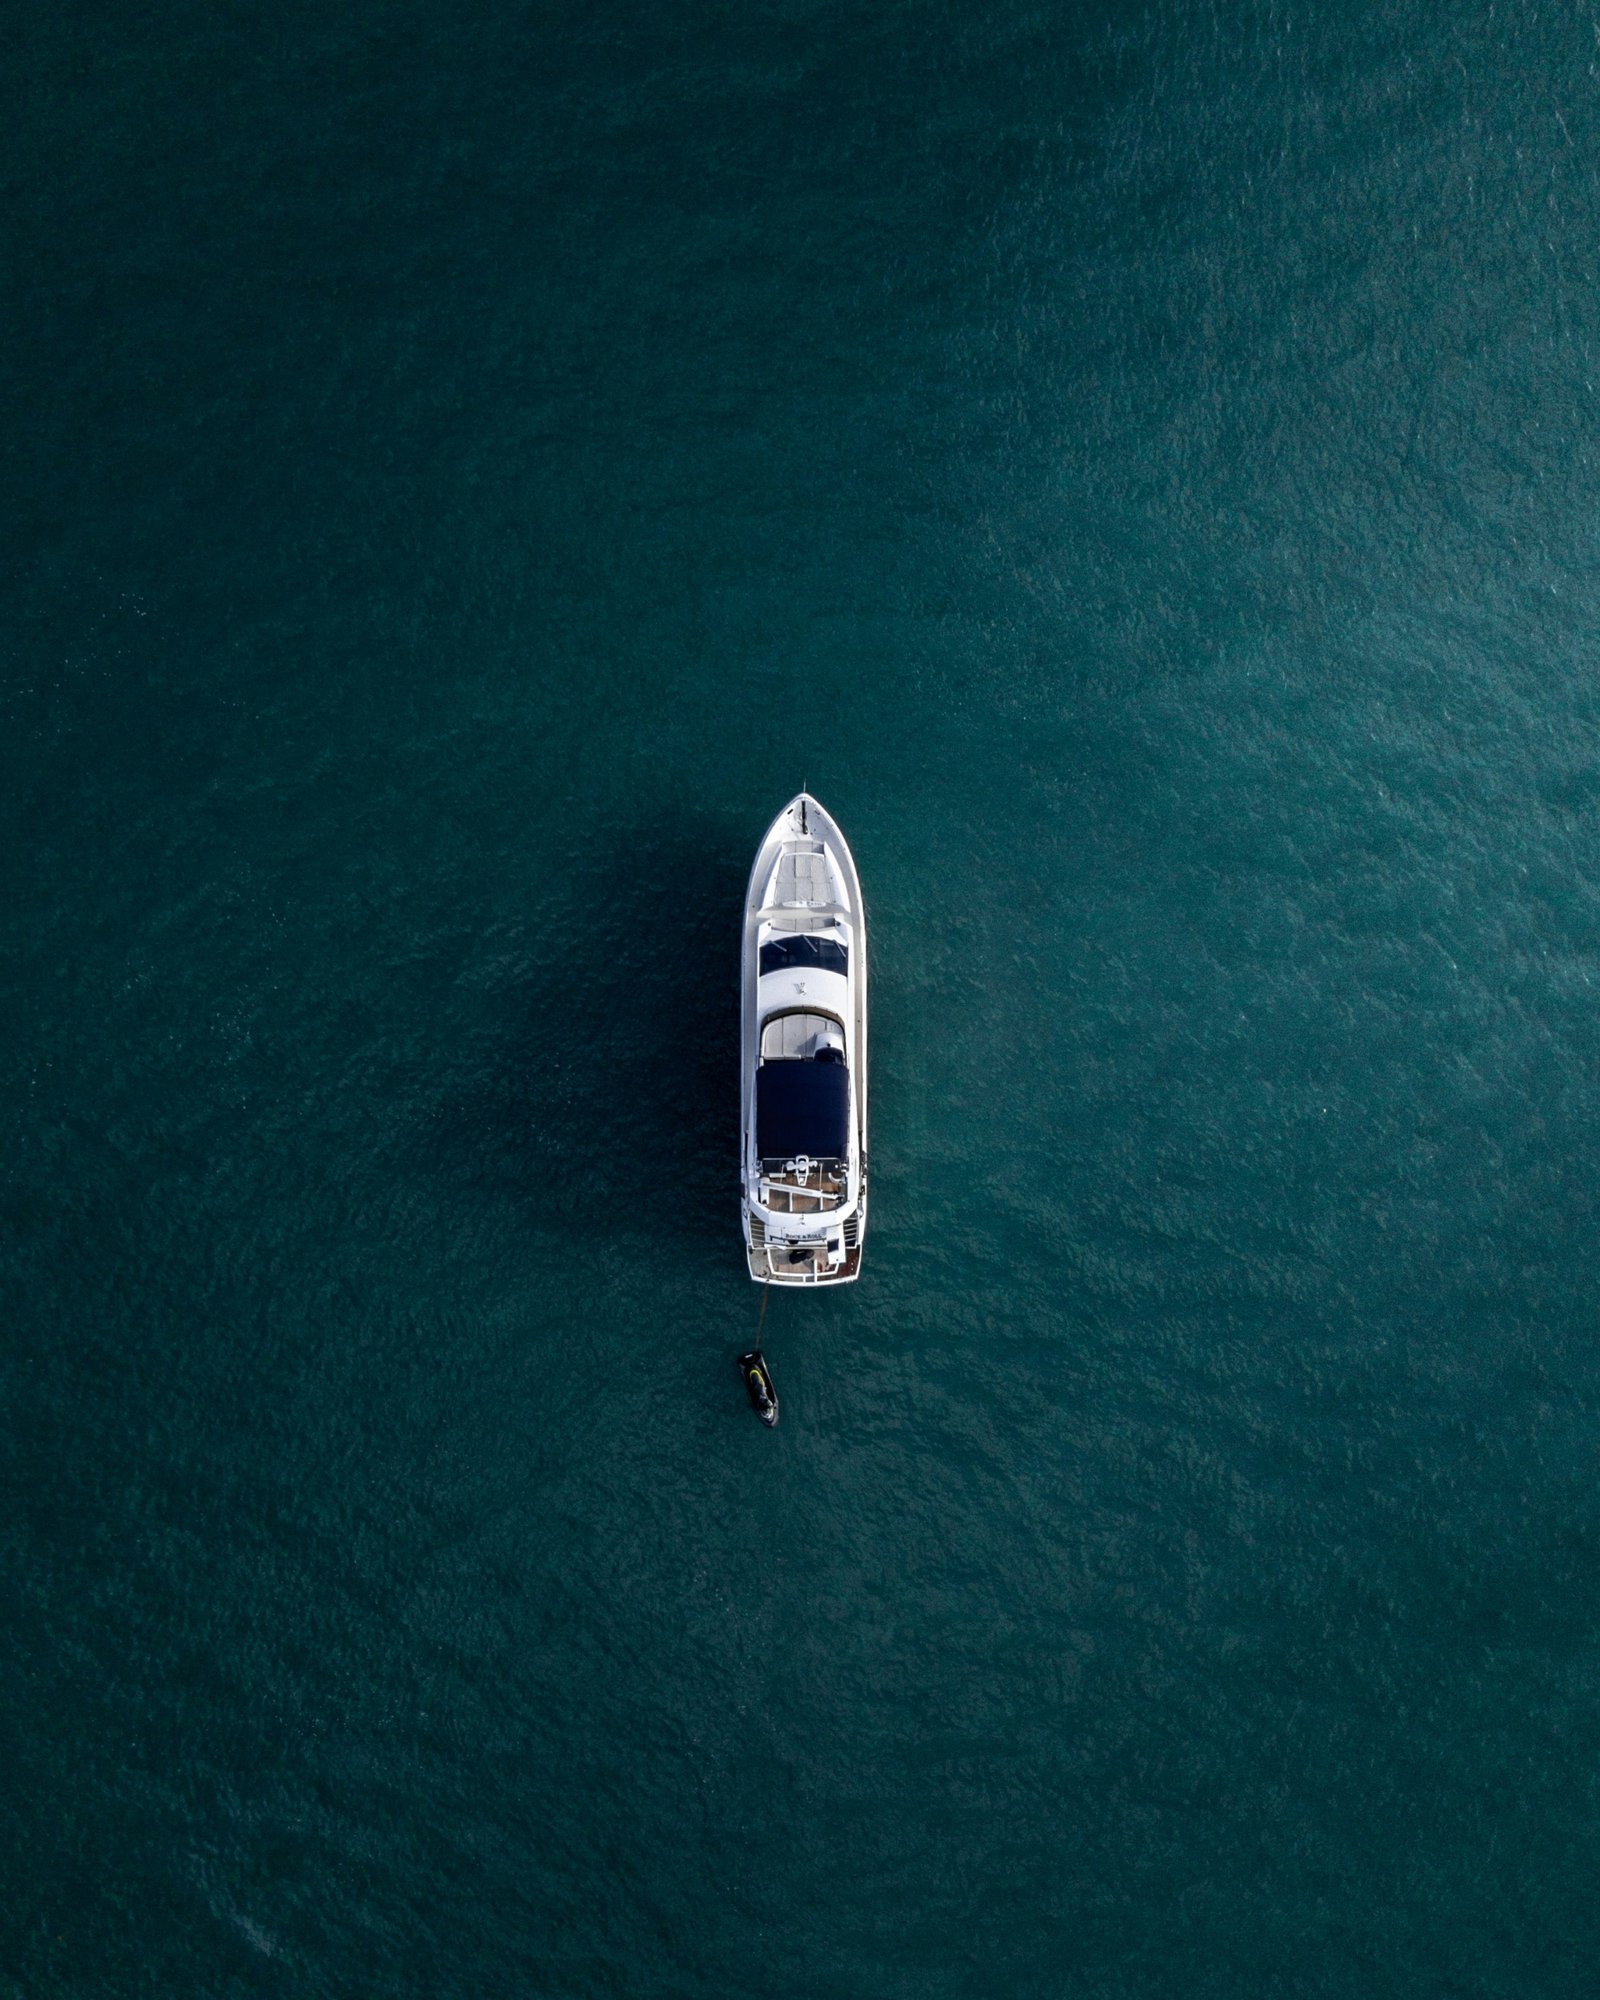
pixel 464 468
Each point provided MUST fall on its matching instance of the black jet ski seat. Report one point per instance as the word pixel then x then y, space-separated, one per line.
pixel 759 1386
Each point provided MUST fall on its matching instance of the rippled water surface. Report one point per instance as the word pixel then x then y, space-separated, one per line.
pixel 465 467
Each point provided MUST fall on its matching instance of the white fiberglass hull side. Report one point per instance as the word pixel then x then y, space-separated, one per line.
pixel 803 1012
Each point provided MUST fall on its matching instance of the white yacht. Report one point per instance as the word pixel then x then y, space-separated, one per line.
pixel 803 1076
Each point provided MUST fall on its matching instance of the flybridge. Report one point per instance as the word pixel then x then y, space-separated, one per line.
pixel 802 1108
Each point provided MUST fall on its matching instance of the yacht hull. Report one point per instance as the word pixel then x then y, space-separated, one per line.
pixel 803 1054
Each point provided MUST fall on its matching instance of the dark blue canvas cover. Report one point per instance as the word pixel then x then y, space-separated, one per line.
pixel 802 1107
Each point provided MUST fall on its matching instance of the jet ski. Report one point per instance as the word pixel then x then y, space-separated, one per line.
pixel 758 1386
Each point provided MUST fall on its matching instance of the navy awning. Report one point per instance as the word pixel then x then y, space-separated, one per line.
pixel 802 1107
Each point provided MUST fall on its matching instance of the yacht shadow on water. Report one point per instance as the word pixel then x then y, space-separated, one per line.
pixel 609 1098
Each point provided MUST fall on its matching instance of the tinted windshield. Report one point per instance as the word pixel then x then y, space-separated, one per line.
pixel 803 953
